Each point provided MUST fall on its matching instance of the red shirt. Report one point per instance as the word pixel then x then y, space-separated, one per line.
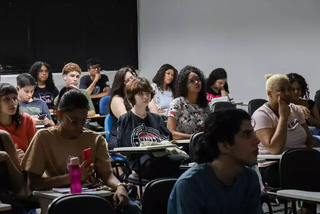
pixel 23 134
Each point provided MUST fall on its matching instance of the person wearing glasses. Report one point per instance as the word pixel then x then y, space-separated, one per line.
pixel 96 84
pixel 51 149
pixel 188 112
pixel 45 89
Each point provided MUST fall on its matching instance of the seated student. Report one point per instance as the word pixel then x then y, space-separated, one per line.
pixel 188 112
pixel 300 97
pixel 118 104
pixel 96 84
pixel 317 100
pixel 220 182
pixel 35 107
pixel 20 126
pixel 279 126
pixel 10 173
pixel 51 149
pixel 71 74
pixel 139 125
pixel 164 84
pixel 217 85
pixel 45 88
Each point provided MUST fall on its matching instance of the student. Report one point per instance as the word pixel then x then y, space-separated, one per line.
pixel 20 126
pixel 10 173
pixel 217 85
pixel 300 97
pixel 119 104
pixel 45 88
pixel 36 108
pixel 96 84
pixel 220 182
pixel 164 83
pixel 52 148
pixel 188 112
pixel 71 74
pixel 139 125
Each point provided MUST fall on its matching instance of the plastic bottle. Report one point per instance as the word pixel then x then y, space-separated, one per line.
pixel 75 176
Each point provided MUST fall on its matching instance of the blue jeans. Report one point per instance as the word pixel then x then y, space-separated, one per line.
pixel 133 208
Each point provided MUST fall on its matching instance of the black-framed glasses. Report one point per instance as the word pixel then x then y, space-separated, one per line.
pixel 82 122
pixel 194 80
pixel 96 68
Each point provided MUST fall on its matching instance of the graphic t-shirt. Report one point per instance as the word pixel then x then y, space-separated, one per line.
pixel 211 94
pixel 46 95
pixel 102 83
pixel 35 107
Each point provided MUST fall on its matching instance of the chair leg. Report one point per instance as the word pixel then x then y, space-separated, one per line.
pixel 286 207
pixel 294 207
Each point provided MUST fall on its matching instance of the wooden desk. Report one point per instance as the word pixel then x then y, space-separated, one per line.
pixel 5 207
pixel 46 197
pixel 300 195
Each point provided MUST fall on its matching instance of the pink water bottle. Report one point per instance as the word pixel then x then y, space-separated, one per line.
pixel 75 175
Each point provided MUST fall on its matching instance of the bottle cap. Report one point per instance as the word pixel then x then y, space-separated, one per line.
pixel 74 161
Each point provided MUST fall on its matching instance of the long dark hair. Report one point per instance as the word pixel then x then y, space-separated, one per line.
pixel 218 73
pixel 220 126
pixel 158 79
pixel 36 68
pixel 182 89
pixel 5 89
pixel 70 98
pixel 118 86
pixel 294 77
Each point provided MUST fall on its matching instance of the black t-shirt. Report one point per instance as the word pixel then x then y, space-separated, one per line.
pixel 209 90
pixel 102 83
pixel 46 95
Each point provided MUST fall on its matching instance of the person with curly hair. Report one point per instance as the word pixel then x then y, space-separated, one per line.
pixel 300 96
pixel 45 89
pixel 217 85
pixel 188 112
pixel 164 83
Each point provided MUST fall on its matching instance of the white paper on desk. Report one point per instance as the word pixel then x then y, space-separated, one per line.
pixel 64 190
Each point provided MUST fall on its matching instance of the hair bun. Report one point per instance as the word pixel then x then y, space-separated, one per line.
pixel 267 76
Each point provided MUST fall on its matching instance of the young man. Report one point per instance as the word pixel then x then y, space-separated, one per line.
pixel 36 108
pixel 221 183
pixel 96 84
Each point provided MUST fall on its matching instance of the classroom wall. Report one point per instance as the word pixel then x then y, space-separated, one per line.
pixel 249 38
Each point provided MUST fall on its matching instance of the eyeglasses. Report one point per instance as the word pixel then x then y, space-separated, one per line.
pixel 95 68
pixel 81 122
pixel 194 80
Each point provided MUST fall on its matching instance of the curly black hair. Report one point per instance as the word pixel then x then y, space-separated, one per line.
pixel 294 77
pixel 158 79
pixel 36 68
pixel 182 89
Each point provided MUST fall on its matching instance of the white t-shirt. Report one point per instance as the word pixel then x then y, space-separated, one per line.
pixel 264 117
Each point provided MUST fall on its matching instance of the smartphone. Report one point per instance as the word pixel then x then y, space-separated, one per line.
pixel 42 116
pixel 87 154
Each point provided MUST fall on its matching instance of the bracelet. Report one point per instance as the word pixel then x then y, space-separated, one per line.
pixel 125 185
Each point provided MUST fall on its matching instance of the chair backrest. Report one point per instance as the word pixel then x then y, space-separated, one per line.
pixel 217 106
pixel 156 195
pixel 299 169
pixel 80 204
pixel 104 105
pixel 107 126
pixel 194 142
pixel 254 104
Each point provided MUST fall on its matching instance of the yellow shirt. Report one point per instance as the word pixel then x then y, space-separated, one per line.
pixel 49 153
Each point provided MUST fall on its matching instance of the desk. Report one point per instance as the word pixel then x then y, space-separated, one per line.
pixel 5 207
pixel 40 126
pixel 300 195
pixel 269 157
pixel 184 141
pixel 46 197
pixel 97 116
pixel 188 165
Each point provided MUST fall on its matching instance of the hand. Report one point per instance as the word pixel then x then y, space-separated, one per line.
pixel 46 121
pixel 304 111
pixel 20 154
pixel 222 88
pixel 86 171
pixel 120 198
pixel 36 120
pixel 283 109
pixel 97 77
pixel 3 156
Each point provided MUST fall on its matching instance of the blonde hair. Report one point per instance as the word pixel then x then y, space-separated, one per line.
pixel 273 80
pixel 71 67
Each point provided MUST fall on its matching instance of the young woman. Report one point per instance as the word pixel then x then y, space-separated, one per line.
pixel 188 112
pixel 300 97
pixel 10 173
pixel 45 89
pixel 164 84
pixel 119 104
pixel 279 126
pixel 139 125
pixel 52 148
pixel 20 126
pixel 217 85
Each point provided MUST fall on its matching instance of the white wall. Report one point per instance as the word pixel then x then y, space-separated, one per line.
pixel 249 38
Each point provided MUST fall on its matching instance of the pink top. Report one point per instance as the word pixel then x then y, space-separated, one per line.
pixel 264 117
